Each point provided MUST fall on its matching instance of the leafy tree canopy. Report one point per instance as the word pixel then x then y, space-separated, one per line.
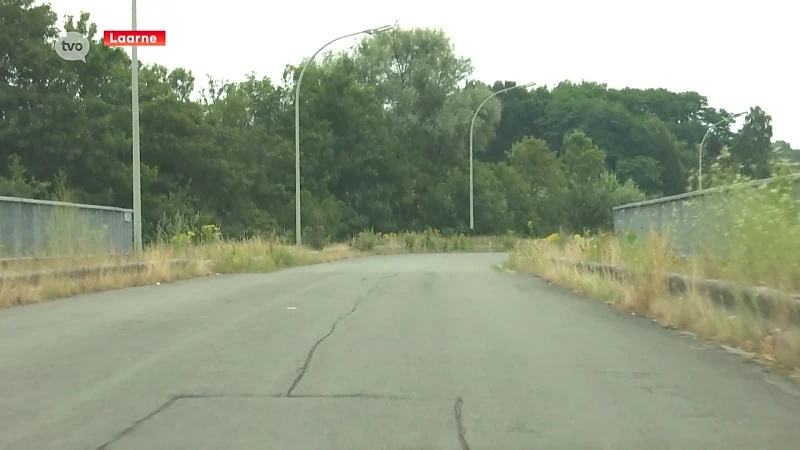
pixel 384 138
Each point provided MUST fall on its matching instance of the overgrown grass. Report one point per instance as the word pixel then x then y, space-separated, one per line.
pixel 750 236
pixel 430 241
pixel 761 242
pixel 223 256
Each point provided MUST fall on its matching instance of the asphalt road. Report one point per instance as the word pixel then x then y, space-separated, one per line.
pixel 393 352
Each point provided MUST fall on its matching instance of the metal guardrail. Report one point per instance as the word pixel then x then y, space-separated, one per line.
pixel 43 228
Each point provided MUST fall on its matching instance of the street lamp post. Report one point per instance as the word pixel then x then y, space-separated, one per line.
pixel 471 134
pixel 702 144
pixel 137 185
pixel 298 228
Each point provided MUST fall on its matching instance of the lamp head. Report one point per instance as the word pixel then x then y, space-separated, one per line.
pixel 375 31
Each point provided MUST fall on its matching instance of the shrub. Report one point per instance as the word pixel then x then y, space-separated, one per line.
pixel 365 240
pixel 410 241
pixel 315 237
pixel 179 231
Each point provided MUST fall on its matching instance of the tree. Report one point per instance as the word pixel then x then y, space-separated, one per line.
pixel 591 189
pixel 543 185
pixel 724 171
pixel 384 139
pixel 657 142
pixel 521 111
pixel 583 160
pixel 752 146
pixel 18 183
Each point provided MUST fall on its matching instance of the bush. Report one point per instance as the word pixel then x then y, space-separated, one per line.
pixel 179 231
pixel 430 238
pixel 365 240
pixel 315 237
pixel 410 241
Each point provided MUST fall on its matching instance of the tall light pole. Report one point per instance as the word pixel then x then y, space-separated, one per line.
pixel 471 134
pixel 137 185
pixel 702 144
pixel 298 228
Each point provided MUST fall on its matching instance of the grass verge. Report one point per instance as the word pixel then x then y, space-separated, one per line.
pixel 775 343
pixel 215 255
pixel 252 255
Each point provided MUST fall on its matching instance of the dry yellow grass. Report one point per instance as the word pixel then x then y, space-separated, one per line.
pixel 225 256
pixel 776 344
pixel 252 255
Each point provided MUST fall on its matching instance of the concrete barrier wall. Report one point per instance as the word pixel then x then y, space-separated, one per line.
pixel 700 217
pixel 45 229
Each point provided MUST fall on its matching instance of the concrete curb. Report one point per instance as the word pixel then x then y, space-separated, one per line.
pixel 768 303
pixel 33 278
pixel 8 262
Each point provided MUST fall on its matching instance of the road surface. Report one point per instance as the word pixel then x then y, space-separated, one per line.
pixel 390 352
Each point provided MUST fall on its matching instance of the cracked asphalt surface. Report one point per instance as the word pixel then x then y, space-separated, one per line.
pixel 390 352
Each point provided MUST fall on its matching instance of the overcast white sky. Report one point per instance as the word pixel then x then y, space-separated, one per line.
pixel 739 54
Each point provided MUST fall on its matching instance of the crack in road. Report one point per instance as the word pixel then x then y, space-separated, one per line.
pixel 297 380
pixel 172 400
pixel 462 432
pixel 313 349
pixel 166 405
pixel 357 395
pixel 140 421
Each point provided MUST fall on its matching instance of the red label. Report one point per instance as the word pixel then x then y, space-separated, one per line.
pixel 131 38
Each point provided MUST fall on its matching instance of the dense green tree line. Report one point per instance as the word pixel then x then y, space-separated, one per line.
pixel 385 132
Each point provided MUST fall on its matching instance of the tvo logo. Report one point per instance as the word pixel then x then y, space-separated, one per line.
pixel 72 46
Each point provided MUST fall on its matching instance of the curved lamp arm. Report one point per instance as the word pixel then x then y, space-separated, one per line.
pixel 471 134
pixel 702 144
pixel 370 31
